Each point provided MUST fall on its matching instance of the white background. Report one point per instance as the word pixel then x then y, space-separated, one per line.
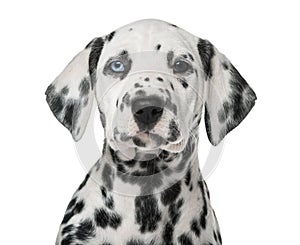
pixel 254 190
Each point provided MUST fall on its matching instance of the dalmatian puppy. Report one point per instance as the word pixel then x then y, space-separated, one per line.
pixel 150 80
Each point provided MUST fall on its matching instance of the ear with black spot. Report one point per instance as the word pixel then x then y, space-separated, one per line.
pixel 70 96
pixel 229 98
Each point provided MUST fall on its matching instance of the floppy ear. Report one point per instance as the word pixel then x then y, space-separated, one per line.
pixel 228 96
pixel 71 95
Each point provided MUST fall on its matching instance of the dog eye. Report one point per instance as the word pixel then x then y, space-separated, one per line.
pixel 180 66
pixel 117 66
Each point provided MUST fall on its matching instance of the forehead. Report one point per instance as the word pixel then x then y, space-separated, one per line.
pixel 150 35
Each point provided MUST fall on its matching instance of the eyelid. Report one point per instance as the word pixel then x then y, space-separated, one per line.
pixel 190 66
pixel 182 59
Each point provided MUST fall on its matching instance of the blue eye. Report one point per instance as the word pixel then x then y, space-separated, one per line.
pixel 117 66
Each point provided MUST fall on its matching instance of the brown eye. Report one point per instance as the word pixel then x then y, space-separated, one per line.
pixel 180 66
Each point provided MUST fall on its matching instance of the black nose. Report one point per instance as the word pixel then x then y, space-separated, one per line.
pixel 149 114
pixel 147 111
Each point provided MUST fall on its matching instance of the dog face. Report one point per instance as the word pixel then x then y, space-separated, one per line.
pixel 151 81
pixel 148 91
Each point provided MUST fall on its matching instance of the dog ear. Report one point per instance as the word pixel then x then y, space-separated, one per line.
pixel 228 97
pixel 70 96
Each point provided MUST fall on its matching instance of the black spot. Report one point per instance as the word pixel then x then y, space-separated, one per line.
pixel 219 237
pixel 167 234
pixel 68 118
pixel 50 90
pixel 204 210
pixel 174 211
pixel 102 118
pixel 135 242
pixel 138 142
pixel 169 195
pixel 65 90
pixel 222 115
pixel 168 93
pixel 208 124
pixel 146 79
pixel 172 87
pixel 122 107
pixel 104 218
pixel 169 104
pixel 183 82
pixel 114 220
pixel 158 46
pixel 124 52
pixel 174 132
pixel 101 217
pixel 173 25
pixel 124 137
pixel 170 56
pixel 104 147
pixel 130 163
pixel 195 227
pixel 225 65
pixel 117 102
pixel 78 207
pixel 137 85
pixel 184 239
pixel 110 36
pixel 72 203
pixel 85 101
pixel 69 239
pixel 215 236
pixel 85 230
pixel 167 156
pixel 191 57
pixel 67 229
pixel 206 52
pixel 96 49
pixel 115 133
pixel 103 191
pixel 187 178
pixel 160 79
pixel 84 182
pixel 140 92
pixel 107 176
pixel 84 87
pixel 121 168
pixel 55 101
pixel 147 213
pixel 114 156
pixel 109 202
pixel 130 29
pixel 126 99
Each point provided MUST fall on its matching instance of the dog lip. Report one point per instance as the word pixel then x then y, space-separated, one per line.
pixel 174 146
pixel 177 141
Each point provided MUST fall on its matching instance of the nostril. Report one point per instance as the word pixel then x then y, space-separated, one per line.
pixel 156 111
pixel 139 112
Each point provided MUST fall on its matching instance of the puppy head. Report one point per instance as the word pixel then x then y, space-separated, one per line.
pixel 151 81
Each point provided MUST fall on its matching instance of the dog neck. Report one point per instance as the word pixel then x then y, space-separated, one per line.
pixel 147 174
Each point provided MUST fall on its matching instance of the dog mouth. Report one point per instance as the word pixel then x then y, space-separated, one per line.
pixel 148 140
